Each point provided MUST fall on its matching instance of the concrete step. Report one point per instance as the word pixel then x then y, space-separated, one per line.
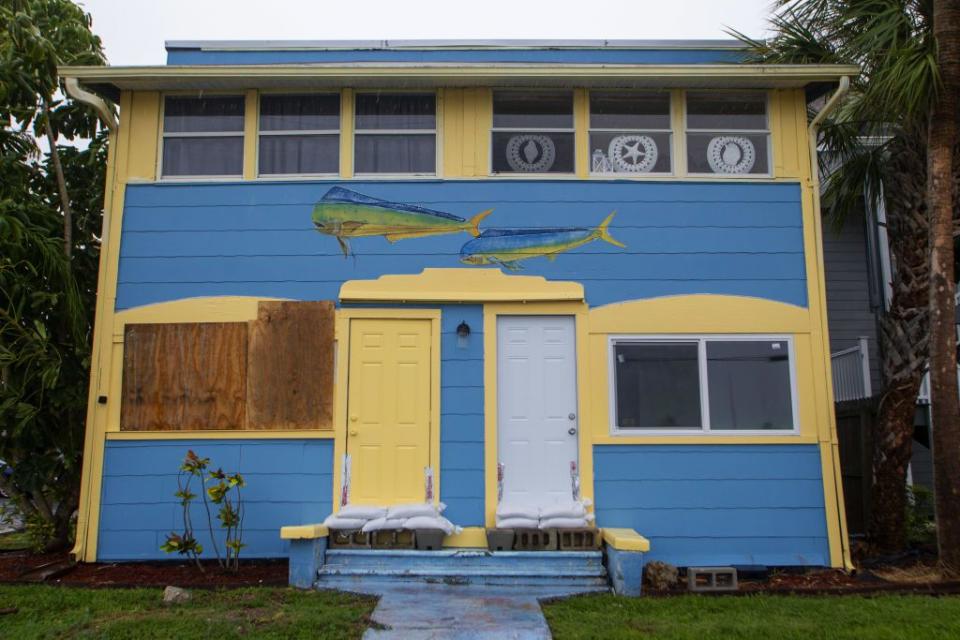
pixel 348 568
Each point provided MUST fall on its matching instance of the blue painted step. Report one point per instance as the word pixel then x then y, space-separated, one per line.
pixel 572 569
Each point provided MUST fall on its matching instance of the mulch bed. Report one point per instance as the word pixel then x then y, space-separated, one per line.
pixel 252 573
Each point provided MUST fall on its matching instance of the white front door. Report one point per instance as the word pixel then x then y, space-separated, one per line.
pixel 537 420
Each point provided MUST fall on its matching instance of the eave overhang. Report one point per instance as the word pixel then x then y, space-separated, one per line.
pixel 110 81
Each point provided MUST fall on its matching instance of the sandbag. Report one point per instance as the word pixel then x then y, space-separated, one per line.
pixel 381 524
pixel 362 511
pixel 415 510
pixel 517 523
pixel 334 521
pixel 430 522
pixel 564 510
pixel 567 523
pixel 505 510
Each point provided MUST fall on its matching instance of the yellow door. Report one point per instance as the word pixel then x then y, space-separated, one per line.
pixel 388 410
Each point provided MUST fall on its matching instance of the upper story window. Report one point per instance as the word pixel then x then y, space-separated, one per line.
pixel 727 133
pixel 299 134
pixel 702 384
pixel 202 136
pixel 532 132
pixel 395 133
pixel 630 132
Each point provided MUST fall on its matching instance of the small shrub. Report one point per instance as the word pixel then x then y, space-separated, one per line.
pixel 660 575
pixel 921 526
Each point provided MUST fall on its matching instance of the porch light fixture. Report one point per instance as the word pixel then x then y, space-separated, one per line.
pixel 463 332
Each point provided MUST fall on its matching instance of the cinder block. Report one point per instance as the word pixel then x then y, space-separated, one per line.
pixel 578 539
pixel 711 579
pixel 535 540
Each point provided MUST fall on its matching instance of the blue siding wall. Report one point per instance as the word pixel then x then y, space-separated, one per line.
pixel 574 56
pixel 716 504
pixel 288 482
pixel 257 239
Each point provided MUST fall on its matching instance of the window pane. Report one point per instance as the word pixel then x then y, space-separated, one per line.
pixel 211 114
pixel 729 154
pixel 629 152
pixel 395 154
pixel 658 385
pixel 396 111
pixel 203 156
pixel 533 152
pixel 533 110
pixel 299 113
pixel 724 110
pixel 299 154
pixel 625 110
pixel 749 384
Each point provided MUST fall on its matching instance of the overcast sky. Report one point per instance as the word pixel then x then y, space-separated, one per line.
pixel 133 31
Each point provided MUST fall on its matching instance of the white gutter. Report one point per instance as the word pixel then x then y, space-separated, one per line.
pixel 74 90
pixel 814 130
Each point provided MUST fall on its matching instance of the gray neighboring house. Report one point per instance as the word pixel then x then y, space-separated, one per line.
pixel 857 271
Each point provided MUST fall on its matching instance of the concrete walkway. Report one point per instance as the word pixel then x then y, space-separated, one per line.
pixel 420 611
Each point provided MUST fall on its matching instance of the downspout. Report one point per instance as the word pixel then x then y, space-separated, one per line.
pixel 814 130
pixel 91 439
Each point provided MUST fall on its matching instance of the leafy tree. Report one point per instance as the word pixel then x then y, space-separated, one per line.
pixel 50 218
pixel 880 146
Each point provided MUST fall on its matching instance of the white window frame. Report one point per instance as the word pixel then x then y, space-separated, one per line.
pixel 435 132
pixel 701 340
pixel 553 175
pixel 164 134
pixel 671 135
pixel 766 132
pixel 298 132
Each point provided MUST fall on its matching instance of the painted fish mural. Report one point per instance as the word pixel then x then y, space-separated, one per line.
pixel 507 247
pixel 345 214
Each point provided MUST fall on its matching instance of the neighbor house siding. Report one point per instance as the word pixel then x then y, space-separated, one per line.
pixel 287 481
pixel 716 504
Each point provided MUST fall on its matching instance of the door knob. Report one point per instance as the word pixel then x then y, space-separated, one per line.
pixel 572 431
pixel 354 432
pixel 353 418
pixel 572 416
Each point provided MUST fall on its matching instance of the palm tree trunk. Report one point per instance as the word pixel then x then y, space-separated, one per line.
pixel 945 400
pixel 61 183
pixel 903 339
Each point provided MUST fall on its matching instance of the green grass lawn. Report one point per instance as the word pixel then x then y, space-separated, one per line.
pixel 750 617
pixel 14 541
pixel 139 614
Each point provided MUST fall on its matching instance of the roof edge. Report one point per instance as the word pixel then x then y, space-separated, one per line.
pixel 330 45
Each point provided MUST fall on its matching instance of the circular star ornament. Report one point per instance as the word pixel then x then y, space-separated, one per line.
pixel 731 154
pixel 632 154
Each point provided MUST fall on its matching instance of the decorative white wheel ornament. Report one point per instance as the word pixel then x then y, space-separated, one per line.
pixel 731 154
pixel 633 154
pixel 530 152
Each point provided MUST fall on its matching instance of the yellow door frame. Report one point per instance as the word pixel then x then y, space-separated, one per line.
pixel 580 313
pixel 343 319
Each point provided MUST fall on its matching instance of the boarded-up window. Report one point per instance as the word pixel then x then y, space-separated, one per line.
pixel 290 373
pixel 184 376
pixel 275 372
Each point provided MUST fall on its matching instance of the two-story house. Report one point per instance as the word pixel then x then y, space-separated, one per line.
pixel 380 273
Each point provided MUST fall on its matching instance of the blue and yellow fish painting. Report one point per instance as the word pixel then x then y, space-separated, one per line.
pixel 344 214
pixel 507 247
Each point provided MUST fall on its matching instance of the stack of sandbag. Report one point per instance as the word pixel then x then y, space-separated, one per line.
pixel 401 516
pixel 569 515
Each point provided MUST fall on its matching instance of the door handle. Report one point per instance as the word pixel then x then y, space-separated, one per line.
pixel 354 432
pixel 353 418
pixel 572 416
pixel 572 431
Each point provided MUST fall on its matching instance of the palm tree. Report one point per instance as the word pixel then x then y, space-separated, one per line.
pixel 883 145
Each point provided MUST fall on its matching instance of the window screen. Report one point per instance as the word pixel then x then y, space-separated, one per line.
pixel 395 133
pixel 727 133
pixel 203 136
pixel 532 132
pixel 630 132
pixel 299 134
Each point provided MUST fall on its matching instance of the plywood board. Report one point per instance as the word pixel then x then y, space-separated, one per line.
pixel 290 372
pixel 184 376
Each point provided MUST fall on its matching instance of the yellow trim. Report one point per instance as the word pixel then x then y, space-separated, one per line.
pixel 204 309
pixel 304 532
pixel 625 540
pixel 459 285
pixel 144 150
pixel 581 135
pixel 463 129
pixel 584 384
pixel 346 133
pixel 343 318
pixel 251 126
pixel 678 123
pixel 231 434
